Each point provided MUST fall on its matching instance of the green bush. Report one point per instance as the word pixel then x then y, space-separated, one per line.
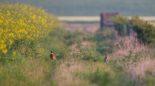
pixel 122 25
pixel 55 42
pixel 102 77
pixel 104 40
pixel 145 31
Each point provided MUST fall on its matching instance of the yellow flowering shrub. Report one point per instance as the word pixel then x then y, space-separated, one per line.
pixel 23 22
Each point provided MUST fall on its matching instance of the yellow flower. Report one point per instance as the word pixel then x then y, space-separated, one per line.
pixel 16 26
pixel 34 17
pixel 5 50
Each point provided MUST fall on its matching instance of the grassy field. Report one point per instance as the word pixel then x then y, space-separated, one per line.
pixel 29 34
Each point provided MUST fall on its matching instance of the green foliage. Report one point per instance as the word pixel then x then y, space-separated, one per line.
pixel 77 37
pixel 104 40
pixel 36 69
pixel 105 77
pixel 24 58
pixel 122 25
pixel 89 54
pixel 100 78
pixel 25 46
pixel 55 42
pixel 145 31
pixel 150 80
pixel 26 72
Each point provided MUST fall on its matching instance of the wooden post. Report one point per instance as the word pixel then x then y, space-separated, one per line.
pixel 106 19
pixel 101 21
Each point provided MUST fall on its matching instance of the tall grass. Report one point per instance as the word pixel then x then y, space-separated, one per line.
pixel 26 62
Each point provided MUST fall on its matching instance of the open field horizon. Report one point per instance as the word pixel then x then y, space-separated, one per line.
pixel 97 18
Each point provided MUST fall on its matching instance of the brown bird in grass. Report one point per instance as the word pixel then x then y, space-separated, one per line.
pixel 106 58
pixel 53 56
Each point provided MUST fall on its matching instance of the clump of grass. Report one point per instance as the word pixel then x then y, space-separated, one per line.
pixel 99 74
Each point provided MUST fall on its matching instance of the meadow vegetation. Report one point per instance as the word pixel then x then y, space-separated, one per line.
pixel 144 29
pixel 28 34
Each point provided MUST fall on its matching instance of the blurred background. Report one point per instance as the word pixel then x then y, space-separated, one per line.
pixel 92 7
pixel 93 43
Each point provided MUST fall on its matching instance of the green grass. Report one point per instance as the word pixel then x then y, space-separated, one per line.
pixel 80 61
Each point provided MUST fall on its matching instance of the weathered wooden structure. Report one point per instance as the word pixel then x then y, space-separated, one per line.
pixel 106 19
